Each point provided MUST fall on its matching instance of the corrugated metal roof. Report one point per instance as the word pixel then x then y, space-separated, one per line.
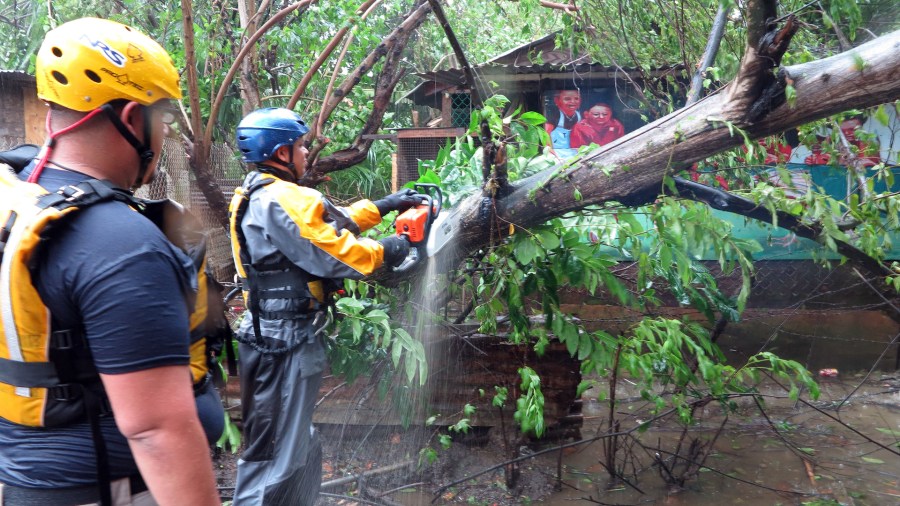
pixel 428 91
pixel 457 76
pixel 16 76
pixel 516 63
pixel 514 52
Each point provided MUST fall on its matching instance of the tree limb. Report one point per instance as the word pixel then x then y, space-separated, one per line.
pixel 724 201
pixel 320 119
pixel 385 84
pixel 301 88
pixel 395 39
pixel 709 54
pixel 471 83
pixel 198 159
pixel 390 48
pixel 235 66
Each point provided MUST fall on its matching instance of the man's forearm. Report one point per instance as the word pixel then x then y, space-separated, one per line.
pixel 156 411
pixel 176 465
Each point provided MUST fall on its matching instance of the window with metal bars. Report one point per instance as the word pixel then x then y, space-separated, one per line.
pixel 460 109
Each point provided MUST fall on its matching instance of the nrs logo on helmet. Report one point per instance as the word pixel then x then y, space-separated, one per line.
pixel 114 57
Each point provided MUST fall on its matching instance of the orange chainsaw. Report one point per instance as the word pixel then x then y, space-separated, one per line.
pixel 415 223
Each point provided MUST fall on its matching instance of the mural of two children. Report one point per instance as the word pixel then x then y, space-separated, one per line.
pixel 570 127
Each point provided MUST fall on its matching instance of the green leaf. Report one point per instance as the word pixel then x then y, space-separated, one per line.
pixel 585 346
pixel 396 352
pixel 889 432
pixel 790 94
pixel 881 115
pixel 533 118
pixel 526 251
pixel 410 368
pixel 872 460
pixel 430 177
pixel 548 239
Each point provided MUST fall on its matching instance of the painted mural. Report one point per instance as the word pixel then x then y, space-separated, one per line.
pixel 581 117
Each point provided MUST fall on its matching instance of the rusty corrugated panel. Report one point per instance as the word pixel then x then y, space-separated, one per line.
pixel 15 76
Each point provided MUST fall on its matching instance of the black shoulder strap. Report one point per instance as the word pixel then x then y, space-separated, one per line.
pixel 20 156
pixel 251 280
pixel 85 193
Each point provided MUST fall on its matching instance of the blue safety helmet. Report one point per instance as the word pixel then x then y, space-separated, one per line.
pixel 263 131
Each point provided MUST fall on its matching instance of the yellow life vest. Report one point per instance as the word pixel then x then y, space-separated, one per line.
pixel 304 285
pixel 44 370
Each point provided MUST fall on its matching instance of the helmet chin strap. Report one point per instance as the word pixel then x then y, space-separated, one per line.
pixel 145 153
pixel 287 175
pixel 47 150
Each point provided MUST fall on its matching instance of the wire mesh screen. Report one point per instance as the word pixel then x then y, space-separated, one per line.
pixel 460 109
pixel 175 181
pixel 819 316
pixel 411 148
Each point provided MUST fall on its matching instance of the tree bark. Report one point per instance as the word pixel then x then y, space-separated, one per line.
pixel 249 16
pixel 709 54
pixel 471 82
pixel 196 143
pixel 390 48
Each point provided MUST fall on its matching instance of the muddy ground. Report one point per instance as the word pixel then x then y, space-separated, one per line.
pixel 795 454
pixel 388 460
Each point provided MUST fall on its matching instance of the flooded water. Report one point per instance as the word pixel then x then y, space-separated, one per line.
pixel 794 454
pixel 797 456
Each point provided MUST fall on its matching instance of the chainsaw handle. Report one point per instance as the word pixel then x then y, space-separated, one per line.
pixel 409 262
pixel 428 190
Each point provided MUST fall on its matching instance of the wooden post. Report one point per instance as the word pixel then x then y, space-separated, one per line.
pixel 446 110
pixel 395 175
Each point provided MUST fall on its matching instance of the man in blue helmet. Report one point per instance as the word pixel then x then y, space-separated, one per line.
pixel 291 247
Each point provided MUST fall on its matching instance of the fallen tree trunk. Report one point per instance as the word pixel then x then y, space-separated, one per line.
pixel 631 170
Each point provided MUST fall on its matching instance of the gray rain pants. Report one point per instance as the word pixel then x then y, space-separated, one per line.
pixel 282 462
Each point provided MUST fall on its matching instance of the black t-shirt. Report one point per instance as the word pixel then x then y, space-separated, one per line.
pixel 113 270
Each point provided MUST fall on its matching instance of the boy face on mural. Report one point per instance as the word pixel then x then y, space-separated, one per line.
pixel 599 115
pixel 568 101
pixel 848 128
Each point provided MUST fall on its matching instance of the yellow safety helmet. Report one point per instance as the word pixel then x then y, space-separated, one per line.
pixel 88 62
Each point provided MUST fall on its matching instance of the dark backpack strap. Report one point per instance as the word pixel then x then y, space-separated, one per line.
pixel 93 406
pixel 20 156
pixel 246 261
pixel 85 193
pixel 229 338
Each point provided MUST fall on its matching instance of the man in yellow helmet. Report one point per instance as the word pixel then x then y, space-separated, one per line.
pixel 106 413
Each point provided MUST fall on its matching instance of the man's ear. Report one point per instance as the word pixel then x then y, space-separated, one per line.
pixel 132 117
pixel 283 153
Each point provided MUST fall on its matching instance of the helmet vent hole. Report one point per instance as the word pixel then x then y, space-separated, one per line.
pixel 92 76
pixel 57 52
pixel 60 77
